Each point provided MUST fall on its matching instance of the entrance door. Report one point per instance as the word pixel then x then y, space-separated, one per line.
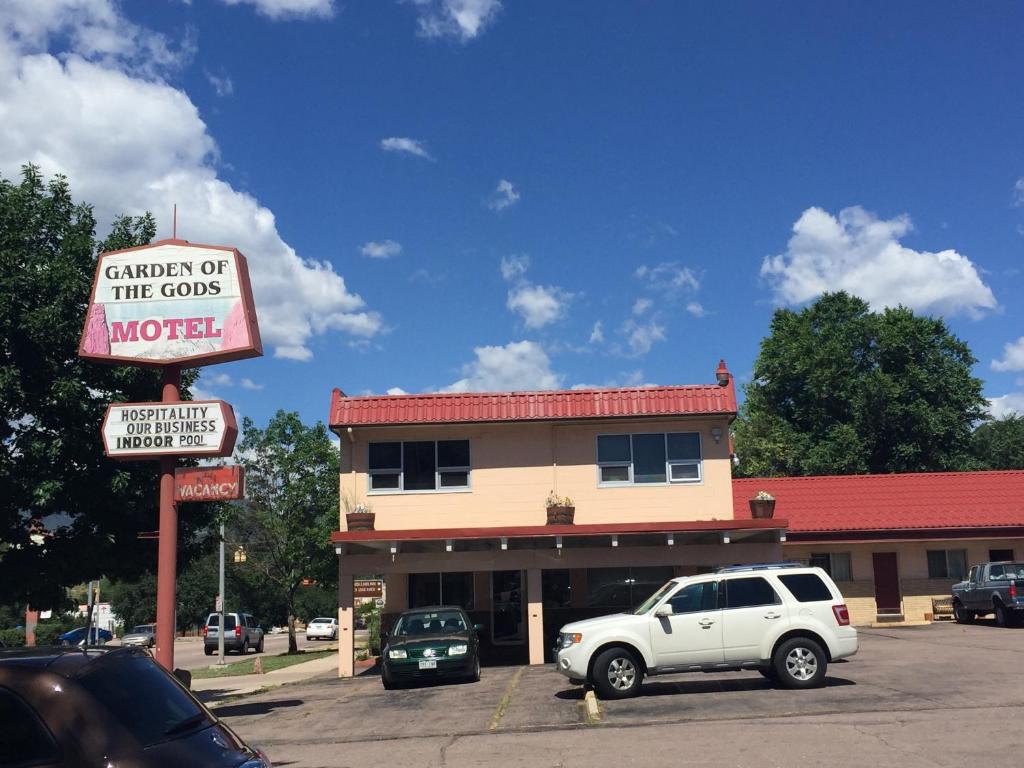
pixel 887 583
pixel 507 608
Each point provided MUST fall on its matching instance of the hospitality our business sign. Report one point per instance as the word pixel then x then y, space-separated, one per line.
pixel 152 430
pixel 169 303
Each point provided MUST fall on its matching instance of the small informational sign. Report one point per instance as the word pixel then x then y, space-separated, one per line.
pixel 151 430
pixel 209 483
pixel 379 602
pixel 218 604
pixel 367 588
pixel 171 302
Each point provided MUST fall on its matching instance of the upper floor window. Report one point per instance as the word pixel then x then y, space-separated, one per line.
pixel 673 457
pixel 420 465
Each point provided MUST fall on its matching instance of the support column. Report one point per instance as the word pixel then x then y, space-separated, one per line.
pixel 578 588
pixel 167 546
pixel 346 623
pixel 535 616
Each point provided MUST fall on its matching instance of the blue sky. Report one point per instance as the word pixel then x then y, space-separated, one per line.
pixel 474 194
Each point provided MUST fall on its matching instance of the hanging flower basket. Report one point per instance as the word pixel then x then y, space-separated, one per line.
pixel 561 515
pixel 762 506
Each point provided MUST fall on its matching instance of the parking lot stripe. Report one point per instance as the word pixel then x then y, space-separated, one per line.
pixel 505 699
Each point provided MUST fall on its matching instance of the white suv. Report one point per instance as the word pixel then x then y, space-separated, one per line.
pixel 785 620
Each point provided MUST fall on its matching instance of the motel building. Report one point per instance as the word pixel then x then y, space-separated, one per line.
pixel 445 497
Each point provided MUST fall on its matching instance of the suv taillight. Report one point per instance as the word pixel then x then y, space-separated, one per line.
pixel 238 631
pixel 206 631
pixel 842 615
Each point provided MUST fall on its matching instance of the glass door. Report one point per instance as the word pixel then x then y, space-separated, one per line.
pixel 507 607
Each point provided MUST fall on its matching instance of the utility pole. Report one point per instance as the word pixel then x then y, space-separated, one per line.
pixel 220 625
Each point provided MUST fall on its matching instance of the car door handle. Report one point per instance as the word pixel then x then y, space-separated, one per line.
pixel 706 623
pixel 773 615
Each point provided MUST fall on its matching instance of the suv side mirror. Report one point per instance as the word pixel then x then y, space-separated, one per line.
pixel 664 610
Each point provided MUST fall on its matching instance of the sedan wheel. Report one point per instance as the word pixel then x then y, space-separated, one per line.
pixel 617 674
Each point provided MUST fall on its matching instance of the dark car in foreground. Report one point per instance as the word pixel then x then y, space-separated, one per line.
pixel 104 707
pixel 429 644
pixel 77 636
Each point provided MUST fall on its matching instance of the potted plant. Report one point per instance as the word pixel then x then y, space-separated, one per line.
pixel 358 517
pixel 561 509
pixel 762 506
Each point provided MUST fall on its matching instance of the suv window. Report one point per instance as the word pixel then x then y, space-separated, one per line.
pixel 144 699
pixel 24 741
pixel 695 597
pixel 745 593
pixel 806 587
pixel 229 621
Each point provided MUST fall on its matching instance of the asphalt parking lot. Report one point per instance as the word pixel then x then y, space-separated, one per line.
pixel 938 695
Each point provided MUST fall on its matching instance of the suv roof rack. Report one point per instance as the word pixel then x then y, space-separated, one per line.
pixel 758 567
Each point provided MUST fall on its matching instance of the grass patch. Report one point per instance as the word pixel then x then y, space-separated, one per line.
pixel 270 663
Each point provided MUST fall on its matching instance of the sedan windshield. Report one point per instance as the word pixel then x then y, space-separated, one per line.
pixel 429 623
pixel 654 599
pixel 142 629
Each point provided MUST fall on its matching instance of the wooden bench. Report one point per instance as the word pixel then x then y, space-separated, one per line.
pixel 942 608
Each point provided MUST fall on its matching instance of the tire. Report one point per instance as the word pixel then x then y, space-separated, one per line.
pixel 474 676
pixel 208 650
pixel 617 674
pixel 259 647
pixel 245 647
pixel 800 663
pixel 385 679
pixel 1004 616
pixel 962 615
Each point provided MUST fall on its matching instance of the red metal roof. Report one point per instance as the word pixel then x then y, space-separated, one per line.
pixel 587 529
pixel 862 503
pixel 468 407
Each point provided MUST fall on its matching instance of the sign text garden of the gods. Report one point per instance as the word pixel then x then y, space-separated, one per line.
pixel 172 302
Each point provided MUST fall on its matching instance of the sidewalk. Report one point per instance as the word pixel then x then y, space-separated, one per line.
pixel 214 690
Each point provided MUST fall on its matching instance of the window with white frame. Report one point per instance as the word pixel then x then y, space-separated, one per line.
pixel 835 564
pixel 419 465
pixel 947 564
pixel 645 459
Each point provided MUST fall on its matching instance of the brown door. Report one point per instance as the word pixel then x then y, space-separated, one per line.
pixel 887 582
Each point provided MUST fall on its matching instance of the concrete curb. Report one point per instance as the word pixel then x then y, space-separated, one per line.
pixel 591 707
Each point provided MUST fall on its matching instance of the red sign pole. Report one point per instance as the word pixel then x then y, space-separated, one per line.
pixel 167 553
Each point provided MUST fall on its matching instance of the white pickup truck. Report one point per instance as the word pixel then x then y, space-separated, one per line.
pixel 786 620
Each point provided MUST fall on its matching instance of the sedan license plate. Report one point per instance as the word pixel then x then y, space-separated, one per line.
pixel 428 664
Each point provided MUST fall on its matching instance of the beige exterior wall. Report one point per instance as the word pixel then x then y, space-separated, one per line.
pixel 514 466
pixel 912 560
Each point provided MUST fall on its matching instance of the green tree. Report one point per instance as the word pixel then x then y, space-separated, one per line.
pixel 291 508
pixel 52 466
pixel 999 444
pixel 839 389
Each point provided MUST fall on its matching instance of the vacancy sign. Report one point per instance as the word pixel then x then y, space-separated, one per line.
pixel 152 430
pixel 209 483
pixel 171 302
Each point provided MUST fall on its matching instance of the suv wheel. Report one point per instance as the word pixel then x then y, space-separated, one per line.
pixel 245 647
pixel 617 674
pixel 961 614
pixel 208 650
pixel 800 663
pixel 259 646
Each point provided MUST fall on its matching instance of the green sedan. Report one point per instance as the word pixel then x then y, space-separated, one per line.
pixel 430 644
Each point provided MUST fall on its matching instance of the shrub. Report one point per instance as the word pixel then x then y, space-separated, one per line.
pixel 12 638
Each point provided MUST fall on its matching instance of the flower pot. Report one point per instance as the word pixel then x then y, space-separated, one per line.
pixel 561 515
pixel 762 509
pixel 360 521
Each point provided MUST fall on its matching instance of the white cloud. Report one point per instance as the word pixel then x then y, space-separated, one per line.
pixel 381 250
pixel 221 83
pixel 248 383
pixel 284 9
pixel 1013 357
pixel 462 19
pixel 504 195
pixel 696 309
pixel 519 365
pixel 625 379
pixel 642 336
pixel 219 379
pixel 669 277
pixel 597 333
pixel 1018 193
pixel 1007 405
pixel 641 305
pixel 859 253
pixel 129 142
pixel 539 305
pixel 513 267
pixel 404 144
pixel 300 353
pixel 397 391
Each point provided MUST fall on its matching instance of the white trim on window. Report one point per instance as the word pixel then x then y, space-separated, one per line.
pixel 669 463
pixel 438 471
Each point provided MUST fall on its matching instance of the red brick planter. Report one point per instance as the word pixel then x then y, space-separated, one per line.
pixel 561 515
pixel 360 521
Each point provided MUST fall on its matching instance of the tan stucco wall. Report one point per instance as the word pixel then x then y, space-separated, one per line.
pixel 912 560
pixel 514 466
